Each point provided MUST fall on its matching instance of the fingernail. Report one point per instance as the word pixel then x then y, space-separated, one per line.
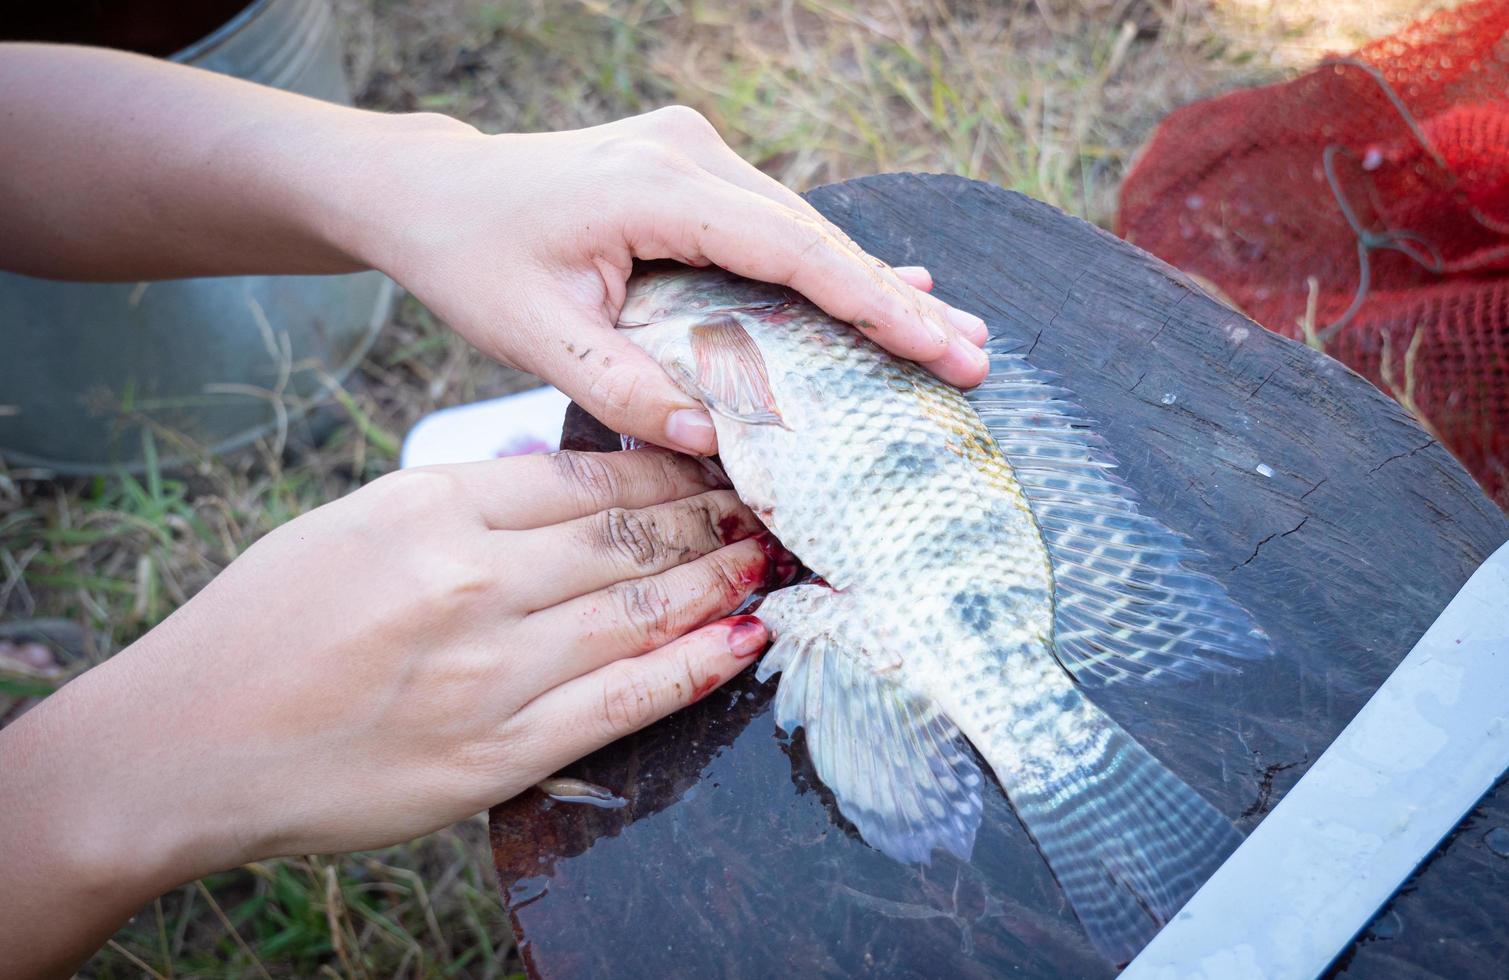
pixel 913 272
pixel 746 636
pixel 969 325
pixel 691 431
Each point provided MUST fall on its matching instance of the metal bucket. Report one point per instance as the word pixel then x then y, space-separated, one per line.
pixel 214 363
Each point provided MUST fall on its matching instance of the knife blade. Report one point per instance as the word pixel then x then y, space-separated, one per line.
pixel 1414 761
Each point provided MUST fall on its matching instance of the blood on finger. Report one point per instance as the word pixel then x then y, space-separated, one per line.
pixel 752 576
pixel 706 687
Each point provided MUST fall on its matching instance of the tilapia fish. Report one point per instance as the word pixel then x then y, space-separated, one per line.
pixel 979 564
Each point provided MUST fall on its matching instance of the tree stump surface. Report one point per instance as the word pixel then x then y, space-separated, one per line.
pixel 1325 509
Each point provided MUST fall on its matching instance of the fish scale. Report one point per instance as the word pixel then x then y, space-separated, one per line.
pixel 980 565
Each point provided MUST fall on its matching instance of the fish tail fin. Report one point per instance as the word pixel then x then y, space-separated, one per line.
pixel 1128 841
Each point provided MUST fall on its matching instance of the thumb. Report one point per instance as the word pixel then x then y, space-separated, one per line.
pixel 623 388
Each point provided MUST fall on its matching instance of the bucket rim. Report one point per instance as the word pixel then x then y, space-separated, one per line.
pixel 197 49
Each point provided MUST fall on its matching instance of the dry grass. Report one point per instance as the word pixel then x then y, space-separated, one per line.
pixel 1049 97
pixel 1307 32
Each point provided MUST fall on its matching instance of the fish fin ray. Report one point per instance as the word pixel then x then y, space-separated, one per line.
pixel 896 765
pixel 730 373
pixel 1128 841
pixel 1126 603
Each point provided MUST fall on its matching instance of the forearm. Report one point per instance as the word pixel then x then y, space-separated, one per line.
pixel 93 826
pixel 119 167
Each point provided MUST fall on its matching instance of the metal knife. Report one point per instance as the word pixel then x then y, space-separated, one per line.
pixel 1418 756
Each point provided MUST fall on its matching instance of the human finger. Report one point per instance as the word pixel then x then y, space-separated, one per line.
pixel 622 386
pixel 757 237
pixel 588 712
pixel 523 492
pixel 635 616
pixel 721 161
pixel 966 324
pixel 620 543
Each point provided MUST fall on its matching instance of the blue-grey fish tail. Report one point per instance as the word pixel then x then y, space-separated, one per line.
pixel 1128 841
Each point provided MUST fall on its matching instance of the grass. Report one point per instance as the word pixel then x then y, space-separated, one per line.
pixel 1048 97
pixel 429 909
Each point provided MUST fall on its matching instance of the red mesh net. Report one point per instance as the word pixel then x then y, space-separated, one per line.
pixel 1363 206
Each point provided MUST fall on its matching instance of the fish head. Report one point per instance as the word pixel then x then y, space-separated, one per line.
pixel 662 290
pixel 659 290
pixel 662 304
pixel 708 331
pixel 667 338
pixel 697 325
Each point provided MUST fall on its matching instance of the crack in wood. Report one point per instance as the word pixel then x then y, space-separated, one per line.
pixel 1170 317
pixel 1264 801
pixel 1276 534
pixel 1253 393
pixel 1411 452
pixel 1068 295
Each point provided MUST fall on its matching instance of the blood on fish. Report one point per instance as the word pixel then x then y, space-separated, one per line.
pixel 784 313
pixel 782 567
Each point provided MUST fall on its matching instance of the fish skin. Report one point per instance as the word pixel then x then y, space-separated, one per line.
pixel 939 610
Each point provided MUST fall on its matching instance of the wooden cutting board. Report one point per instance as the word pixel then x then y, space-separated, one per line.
pixel 1324 508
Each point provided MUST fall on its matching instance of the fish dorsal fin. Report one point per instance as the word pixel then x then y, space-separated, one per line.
pixel 730 374
pixel 896 765
pixel 1125 604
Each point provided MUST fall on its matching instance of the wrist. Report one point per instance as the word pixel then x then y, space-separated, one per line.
pixel 384 202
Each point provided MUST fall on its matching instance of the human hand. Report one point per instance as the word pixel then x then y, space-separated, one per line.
pixel 523 243
pixel 381 667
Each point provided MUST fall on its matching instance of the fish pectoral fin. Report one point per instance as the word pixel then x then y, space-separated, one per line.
pixel 897 766
pixel 1125 603
pixel 730 375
